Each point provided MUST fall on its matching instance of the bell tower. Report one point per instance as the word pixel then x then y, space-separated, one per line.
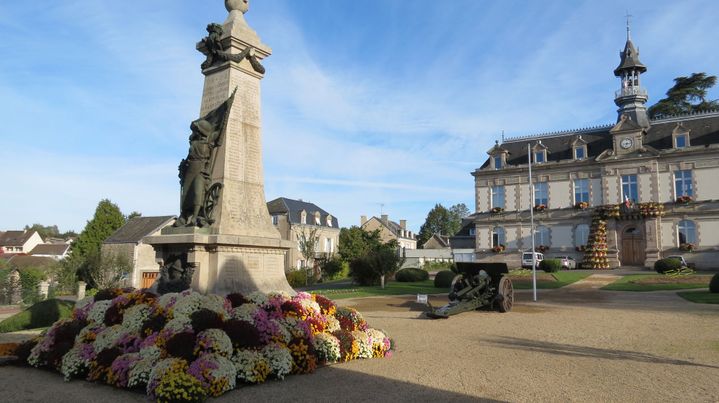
pixel 631 96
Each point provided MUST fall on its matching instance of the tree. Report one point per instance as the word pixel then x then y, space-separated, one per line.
pixel 372 267
pixel 443 221
pixel 355 242
pixel 107 219
pixel 133 215
pixel 50 231
pixel 107 270
pixel 687 95
pixel 307 244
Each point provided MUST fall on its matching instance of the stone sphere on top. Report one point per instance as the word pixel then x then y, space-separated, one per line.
pixel 240 5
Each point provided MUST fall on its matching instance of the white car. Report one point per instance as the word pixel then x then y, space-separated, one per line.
pixel 527 259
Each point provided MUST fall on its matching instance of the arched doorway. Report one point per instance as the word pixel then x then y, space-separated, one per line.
pixel 633 248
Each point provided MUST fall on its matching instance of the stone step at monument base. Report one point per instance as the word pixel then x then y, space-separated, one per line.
pixel 225 264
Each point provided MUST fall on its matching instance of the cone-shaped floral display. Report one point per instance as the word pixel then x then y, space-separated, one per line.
pixel 595 252
pixel 188 346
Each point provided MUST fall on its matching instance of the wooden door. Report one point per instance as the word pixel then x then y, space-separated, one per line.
pixel 632 252
pixel 148 278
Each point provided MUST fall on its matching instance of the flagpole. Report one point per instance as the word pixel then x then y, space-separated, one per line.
pixel 531 224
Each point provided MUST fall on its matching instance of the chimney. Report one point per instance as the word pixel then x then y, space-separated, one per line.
pixel 403 224
pixel 363 219
pixel 385 219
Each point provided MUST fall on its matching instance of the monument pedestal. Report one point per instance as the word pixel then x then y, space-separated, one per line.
pixel 241 251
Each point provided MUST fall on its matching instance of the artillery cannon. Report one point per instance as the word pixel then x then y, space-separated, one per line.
pixel 476 286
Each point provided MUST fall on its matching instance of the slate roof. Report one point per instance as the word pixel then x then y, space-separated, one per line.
pixel 629 60
pixel 703 127
pixel 15 238
pixel 294 208
pixel 462 239
pixel 54 249
pixel 138 228
pixel 393 227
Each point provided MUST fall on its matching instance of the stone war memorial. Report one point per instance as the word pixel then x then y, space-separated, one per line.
pixel 224 233
pixel 222 314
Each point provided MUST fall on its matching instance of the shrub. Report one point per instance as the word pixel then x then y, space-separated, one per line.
pixel 334 269
pixel 437 266
pixel 296 278
pixel 550 265
pixel 42 314
pixel 664 265
pixel 369 268
pixel 444 279
pixel 30 278
pixel 714 284
pixel 411 275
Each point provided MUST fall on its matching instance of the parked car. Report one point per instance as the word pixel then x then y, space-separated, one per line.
pixel 568 262
pixel 679 258
pixel 527 259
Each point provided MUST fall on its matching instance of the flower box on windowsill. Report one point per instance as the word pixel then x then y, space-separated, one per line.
pixel 541 248
pixel 496 210
pixel 581 248
pixel 540 207
pixel 687 247
pixel 499 248
pixel 684 200
pixel 581 205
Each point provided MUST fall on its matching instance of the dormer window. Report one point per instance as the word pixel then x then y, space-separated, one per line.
pixel 580 153
pixel 317 218
pixel 681 140
pixel 329 220
pixel 680 136
pixel 497 161
pixel 540 157
pixel 303 217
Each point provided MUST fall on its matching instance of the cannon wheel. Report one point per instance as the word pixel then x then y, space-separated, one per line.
pixel 505 294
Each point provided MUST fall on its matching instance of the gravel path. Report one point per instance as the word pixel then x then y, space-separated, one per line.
pixel 577 344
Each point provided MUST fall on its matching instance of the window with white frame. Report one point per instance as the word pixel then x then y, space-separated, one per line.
pixel 541 236
pixel 317 218
pixel 497 196
pixel 540 156
pixel 275 220
pixel 329 220
pixel 303 217
pixel 630 189
pixel 498 237
pixel 541 194
pixel 580 152
pixel 581 234
pixel 328 245
pixel 497 161
pixel 581 190
pixel 683 183
pixel 681 140
pixel 472 232
pixel 687 232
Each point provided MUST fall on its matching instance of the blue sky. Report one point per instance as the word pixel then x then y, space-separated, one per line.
pixel 378 105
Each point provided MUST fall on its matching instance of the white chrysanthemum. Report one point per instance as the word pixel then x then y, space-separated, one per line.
pixel 311 306
pixel 245 312
pixel 73 364
pixel 187 304
pixel 215 341
pixel 327 347
pixel 293 326
pixel 245 363
pixel 332 324
pixel 139 375
pixel 135 317
pixel 215 303
pixel 152 353
pixel 97 313
pixel 179 323
pixel 364 343
pixel 375 336
pixel 82 303
pixel 280 359
pixel 108 337
pixel 258 298
pixel 225 370
pixel 167 300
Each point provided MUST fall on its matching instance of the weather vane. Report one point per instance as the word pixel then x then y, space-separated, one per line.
pixel 629 23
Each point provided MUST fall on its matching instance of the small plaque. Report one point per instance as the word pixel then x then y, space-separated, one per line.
pixel 421 298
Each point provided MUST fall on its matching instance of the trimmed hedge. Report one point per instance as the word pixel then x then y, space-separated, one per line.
pixel 42 314
pixel 444 279
pixel 714 284
pixel 411 275
pixel 550 265
pixel 662 266
pixel 297 278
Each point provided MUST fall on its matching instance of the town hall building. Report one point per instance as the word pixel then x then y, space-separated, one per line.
pixel 625 194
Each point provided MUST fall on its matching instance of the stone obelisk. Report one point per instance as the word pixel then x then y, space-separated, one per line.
pixel 240 250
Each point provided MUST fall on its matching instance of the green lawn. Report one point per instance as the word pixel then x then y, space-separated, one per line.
pixel 657 282
pixel 42 314
pixel 391 288
pixel 700 297
pixel 548 280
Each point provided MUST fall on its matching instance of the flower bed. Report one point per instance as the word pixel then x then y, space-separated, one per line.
pixel 188 346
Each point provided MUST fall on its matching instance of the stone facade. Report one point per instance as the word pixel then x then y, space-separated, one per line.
pixel 628 164
pixel 389 230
